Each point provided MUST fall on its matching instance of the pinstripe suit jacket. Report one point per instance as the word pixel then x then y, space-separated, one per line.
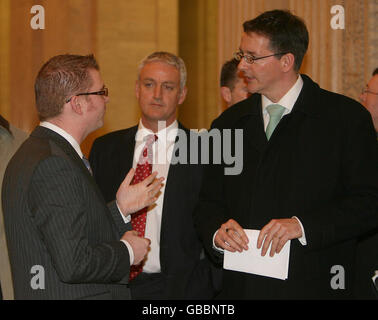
pixel 56 218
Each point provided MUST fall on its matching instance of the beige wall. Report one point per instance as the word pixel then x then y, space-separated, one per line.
pixel 120 33
pixel 198 22
pixel 126 32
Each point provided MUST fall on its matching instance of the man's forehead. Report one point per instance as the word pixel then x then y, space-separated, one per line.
pixel 373 82
pixel 252 41
pixel 159 65
pixel 160 70
pixel 96 77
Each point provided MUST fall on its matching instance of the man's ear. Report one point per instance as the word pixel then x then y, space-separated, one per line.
pixel 226 94
pixel 183 93
pixel 287 62
pixel 76 105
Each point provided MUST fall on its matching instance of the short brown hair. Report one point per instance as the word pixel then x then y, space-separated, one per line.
pixel 60 78
pixel 229 73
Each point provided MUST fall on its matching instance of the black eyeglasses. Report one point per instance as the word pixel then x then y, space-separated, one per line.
pixel 366 90
pixel 251 59
pixel 103 92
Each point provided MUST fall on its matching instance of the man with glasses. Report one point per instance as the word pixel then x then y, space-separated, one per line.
pixel 310 172
pixel 64 241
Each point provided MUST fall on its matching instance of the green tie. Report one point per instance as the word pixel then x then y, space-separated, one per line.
pixel 275 112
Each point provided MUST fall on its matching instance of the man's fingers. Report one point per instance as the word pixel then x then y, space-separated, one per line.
pixel 276 238
pixel 155 186
pixel 270 234
pixel 226 243
pixel 263 233
pixel 129 177
pixel 239 234
pixel 148 241
pixel 281 244
pixel 150 178
pixel 234 226
pixel 237 238
pixel 274 245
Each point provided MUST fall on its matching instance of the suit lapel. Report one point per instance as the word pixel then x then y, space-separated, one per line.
pixel 177 173
pixel 253 127
pixel 126 151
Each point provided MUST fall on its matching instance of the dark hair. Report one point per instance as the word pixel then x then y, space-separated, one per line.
pixel 286 32
pixel 229 73
pixel 59 79
pixel 375 72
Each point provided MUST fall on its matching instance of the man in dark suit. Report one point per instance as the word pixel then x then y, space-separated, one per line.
pixel 175 267
pixel 312 178
pixel 62 237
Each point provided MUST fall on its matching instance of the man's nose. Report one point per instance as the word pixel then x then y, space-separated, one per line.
pixel 157 92
pixel 242 66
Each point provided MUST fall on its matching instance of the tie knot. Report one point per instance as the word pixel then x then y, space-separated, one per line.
pixel 150 139
pixel 275 110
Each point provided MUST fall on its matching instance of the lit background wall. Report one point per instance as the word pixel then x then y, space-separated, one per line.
pixel 204 33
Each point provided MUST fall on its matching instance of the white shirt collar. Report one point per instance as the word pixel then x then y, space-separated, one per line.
pixel 167 133
pixel 64 134
pixel 288 100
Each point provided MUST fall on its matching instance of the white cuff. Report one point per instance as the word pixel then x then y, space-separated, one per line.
pixel 131 252
pixel 220 250
pixel 125 219
pixel 302 239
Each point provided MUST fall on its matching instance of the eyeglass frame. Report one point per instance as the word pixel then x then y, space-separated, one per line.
pixel 103 92
pixel 240 55
pixel 366 90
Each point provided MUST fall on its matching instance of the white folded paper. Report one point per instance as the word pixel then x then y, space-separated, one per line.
pixel 251 261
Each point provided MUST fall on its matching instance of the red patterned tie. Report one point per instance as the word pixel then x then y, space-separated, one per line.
pixel 138 219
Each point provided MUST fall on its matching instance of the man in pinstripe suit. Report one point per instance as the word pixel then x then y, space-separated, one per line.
pixel 64 241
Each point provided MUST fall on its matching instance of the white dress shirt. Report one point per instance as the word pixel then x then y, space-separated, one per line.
pixel 162 150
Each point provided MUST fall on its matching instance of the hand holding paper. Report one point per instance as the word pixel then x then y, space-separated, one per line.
pixel 276 233
pixel 251 260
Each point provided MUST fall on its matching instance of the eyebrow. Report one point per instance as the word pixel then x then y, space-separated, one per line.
pixel 153 80
pixel 249 52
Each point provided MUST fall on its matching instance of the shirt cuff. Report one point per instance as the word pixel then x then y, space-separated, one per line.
pixel 125 219
pixel 220 250
pixel 131 252
pixel 302 239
